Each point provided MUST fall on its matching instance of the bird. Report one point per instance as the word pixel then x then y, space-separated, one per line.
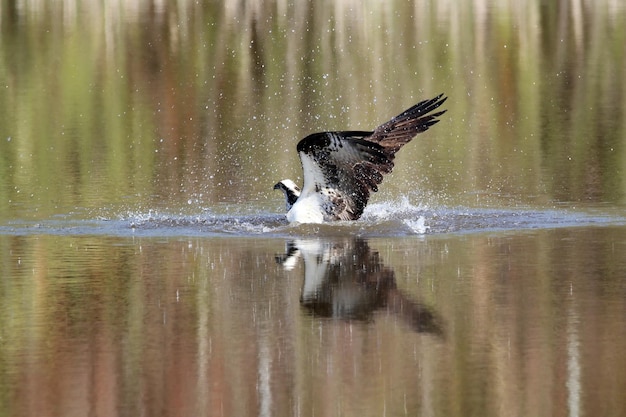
pixel 342 168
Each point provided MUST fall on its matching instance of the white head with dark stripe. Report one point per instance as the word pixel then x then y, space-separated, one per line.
pixel 291 191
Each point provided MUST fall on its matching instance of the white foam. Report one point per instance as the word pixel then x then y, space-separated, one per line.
pixel 417 225
pixel 392 210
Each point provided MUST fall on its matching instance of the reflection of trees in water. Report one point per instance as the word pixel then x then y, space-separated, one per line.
pixel 345 279
pixel 185 98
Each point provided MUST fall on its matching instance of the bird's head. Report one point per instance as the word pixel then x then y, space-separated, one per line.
pixel 291 190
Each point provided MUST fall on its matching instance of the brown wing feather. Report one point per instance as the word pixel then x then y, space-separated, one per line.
pixel 401 129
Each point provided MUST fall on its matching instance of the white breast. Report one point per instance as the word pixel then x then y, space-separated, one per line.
pixel 306 210
pixel 308 207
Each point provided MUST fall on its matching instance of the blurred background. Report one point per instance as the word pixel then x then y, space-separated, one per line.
pixel 184 105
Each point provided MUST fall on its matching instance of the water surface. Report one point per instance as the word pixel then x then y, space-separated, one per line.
pixel 491 323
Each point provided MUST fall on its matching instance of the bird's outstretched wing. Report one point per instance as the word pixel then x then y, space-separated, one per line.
pixel 343 168
pixel 401 129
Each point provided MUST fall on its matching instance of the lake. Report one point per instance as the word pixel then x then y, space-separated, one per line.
pixel 146 266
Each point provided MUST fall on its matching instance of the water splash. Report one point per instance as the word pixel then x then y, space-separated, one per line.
pixel 418 226
pixel 389 210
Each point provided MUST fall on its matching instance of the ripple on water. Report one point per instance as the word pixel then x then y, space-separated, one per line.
pixel 379 220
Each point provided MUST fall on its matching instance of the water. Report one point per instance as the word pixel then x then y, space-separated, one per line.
pixel 146 267
pixel 525 321
pixel 390 219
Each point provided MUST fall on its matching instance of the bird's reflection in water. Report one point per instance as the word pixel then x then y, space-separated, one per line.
pixel 345 279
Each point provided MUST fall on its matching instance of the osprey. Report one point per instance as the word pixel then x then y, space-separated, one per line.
pixel 342 168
